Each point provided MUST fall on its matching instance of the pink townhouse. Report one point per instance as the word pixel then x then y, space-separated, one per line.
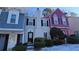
pixel 59 19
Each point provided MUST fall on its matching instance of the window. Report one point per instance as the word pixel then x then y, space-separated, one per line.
pixel 13 18
pixel 30 22
pixel 59 19
pixel 44 23
pixel 64 20
pixel 55 19
pixel 45 34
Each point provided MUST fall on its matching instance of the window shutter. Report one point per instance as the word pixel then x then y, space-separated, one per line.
pixel 47 23
pixel 27 21
pixel 41 22
pixel 33 22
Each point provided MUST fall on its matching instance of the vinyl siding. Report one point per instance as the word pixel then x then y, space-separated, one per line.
pixel 3 21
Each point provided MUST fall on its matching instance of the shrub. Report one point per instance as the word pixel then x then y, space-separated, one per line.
pixel 72 39
pixel 58 42
pixel 56 33
pixel 25 44
pixel 49 43
pixel 19 47
pixel 39 42
pixel 54 42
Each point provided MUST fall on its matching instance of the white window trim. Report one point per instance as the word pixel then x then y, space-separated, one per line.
pixel 9 17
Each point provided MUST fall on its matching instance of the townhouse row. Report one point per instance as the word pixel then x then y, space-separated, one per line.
pixel 17 27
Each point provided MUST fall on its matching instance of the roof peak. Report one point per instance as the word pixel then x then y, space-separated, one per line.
pixel 58 11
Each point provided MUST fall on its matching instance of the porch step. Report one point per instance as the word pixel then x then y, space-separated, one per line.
pixel 30 47
pixel 30 44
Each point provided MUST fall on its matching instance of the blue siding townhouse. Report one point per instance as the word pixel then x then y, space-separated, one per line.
pixel 11 28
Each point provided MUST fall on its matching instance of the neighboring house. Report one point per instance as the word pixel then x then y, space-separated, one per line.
pixel 74 24
pixel 36 26
pixel 11 28
pixel 59 19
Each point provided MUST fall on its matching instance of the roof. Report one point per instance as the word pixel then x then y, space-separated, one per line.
pixel 58 12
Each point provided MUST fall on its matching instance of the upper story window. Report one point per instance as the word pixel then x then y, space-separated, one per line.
pixel 44 23
pixel 59 19
pixel 30 22
pixel 64 20
pixel 55 19
pixel 13 18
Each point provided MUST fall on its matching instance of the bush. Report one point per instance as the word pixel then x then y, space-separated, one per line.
pixel 49 43
pixel 72 39
pixel 39 42
pixel 42 42
pixel 19 47
pixel 58 42
pixel 25 44
pixel 56 33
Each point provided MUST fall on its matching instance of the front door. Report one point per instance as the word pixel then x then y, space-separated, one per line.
pixel 19 39
pixel 3 41
pixel 30 37
pixel 6 42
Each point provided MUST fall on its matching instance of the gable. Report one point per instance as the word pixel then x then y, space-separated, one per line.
pixel 58 12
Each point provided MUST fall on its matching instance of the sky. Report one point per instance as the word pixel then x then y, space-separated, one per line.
pixel 66 9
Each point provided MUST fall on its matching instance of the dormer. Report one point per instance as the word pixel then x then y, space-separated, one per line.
pixel 58 17
pixel 13 17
